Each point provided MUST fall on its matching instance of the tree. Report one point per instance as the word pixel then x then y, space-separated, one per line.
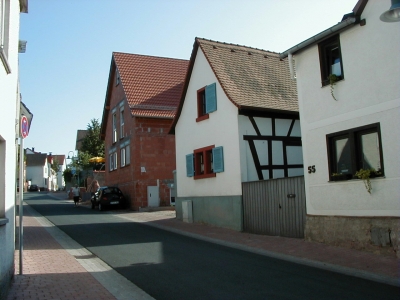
pixel 67 174
pixel 55 167
pixel 92 144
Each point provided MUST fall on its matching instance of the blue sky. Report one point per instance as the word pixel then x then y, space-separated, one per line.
pixel 64 72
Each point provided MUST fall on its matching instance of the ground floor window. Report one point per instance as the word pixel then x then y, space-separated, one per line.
pixel 355 149
pixel 205 162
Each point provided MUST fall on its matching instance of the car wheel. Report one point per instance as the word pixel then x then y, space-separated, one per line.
pixel 101 207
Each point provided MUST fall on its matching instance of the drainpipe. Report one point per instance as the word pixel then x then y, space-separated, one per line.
pixel 292 76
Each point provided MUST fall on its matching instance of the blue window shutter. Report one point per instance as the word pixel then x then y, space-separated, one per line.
pixel 189 165
pixel 218 159
pixel 211 98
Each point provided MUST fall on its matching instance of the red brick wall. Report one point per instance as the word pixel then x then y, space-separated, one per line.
pixel 150 147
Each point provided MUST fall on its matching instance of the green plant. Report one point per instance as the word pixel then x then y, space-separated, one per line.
pixel 365 175
pixel 332 81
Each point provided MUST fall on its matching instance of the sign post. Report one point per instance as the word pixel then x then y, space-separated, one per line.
pixel 24 133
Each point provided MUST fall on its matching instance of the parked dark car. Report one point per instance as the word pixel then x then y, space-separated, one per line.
pixel 108 196
pixel 34 188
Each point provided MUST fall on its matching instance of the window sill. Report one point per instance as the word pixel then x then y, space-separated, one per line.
pixel 327 83
pixel 355 178
pixel 3 221
pixel 203 117
pixel 202 176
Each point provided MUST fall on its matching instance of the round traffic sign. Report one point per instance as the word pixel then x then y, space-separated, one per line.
pixel 24 127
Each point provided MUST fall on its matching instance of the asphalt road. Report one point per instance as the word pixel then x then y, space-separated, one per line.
pixel 171 266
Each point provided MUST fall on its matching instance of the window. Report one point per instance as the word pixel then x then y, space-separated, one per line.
pixel 205 162
pixel 114 135
pixel 122 123
pixel 330 59
pixel 355 149
pixel 122 157
pixel 117 78
pixel 127 155
pixel 4 33
pixel 113 161
pixel 111 156
pixel 206 101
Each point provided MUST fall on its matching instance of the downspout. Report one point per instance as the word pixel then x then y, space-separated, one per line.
pixel 292 76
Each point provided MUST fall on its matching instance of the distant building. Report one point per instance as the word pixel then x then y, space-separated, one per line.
pixel 141 101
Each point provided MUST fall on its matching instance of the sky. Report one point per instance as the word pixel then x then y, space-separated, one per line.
pixel 64 72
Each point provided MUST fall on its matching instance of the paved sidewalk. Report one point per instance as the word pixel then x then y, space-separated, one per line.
pixel 56 273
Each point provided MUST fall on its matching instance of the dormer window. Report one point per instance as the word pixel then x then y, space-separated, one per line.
pixel 206 101
pixel 330 59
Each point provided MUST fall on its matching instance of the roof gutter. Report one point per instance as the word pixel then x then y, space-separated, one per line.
pixel 318 37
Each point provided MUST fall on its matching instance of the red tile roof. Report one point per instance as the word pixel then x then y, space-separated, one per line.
pixel 152 85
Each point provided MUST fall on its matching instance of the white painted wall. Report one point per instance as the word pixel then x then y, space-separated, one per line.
pixel 369 93
pixel 37 175
pixel 221 129
pixel 8 114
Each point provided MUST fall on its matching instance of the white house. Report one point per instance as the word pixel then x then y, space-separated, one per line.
pixel 10 101
pixel 38 170
pixel 354 126
pixel 58 180
pixel 237 121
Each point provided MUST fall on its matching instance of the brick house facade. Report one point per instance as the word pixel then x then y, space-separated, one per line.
pixel 142 97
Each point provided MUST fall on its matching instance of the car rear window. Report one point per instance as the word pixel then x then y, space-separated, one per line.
pixel 111 190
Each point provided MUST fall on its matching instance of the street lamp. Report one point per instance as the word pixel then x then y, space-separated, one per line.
pixel 76 166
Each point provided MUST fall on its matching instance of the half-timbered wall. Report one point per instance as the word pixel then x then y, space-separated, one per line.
pixel 270 147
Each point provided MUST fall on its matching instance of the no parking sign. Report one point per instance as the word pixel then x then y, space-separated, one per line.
pixel 24 127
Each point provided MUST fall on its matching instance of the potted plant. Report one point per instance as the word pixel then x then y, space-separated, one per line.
pixel 365 175
pixel 332 81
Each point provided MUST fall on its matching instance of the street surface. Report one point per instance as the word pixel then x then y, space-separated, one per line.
pixel 171 266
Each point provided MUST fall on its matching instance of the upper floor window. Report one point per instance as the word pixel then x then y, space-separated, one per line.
pixel 125 156
pixel 206 101
pixel 114 132
pixel 117 78
pixel 122 123
pixel 4 33
pixel 113 161
pixel 205 162
pixel 330 59
pixel 355 149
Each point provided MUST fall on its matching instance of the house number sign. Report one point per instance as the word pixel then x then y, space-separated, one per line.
pixel 311 169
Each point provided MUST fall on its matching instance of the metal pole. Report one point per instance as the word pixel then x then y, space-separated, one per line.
pixel 21 206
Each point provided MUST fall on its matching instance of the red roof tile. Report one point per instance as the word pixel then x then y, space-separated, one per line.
pixel 152 85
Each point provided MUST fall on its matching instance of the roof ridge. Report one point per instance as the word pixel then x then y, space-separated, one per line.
pixel 145 55
pixel 224 44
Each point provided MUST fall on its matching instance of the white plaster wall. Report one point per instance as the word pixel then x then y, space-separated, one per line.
pixel 36 174
pixel 8 114
pixel 221 129
pixel 369 93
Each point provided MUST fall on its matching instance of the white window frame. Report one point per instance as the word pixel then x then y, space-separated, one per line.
pixel 122 123
pixel 122 157
pixel 115 154
pixel 111 162
pixel 114 132
pixel 4 33
pixel 127 155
